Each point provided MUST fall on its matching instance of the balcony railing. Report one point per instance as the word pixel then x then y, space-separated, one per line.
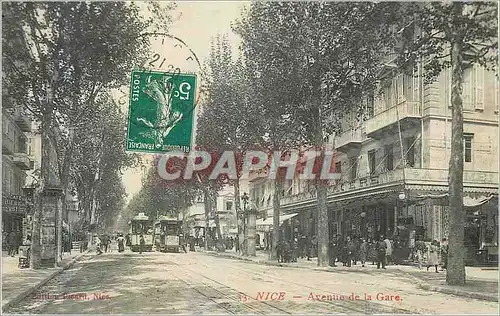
pixel 23 161
pixel 411 176
pixel 349 139
pixel 390 116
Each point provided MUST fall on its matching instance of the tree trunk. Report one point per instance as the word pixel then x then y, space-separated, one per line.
pixel 36 249
pixel 455 272
pixel 239 218
pixel 64 177
pixel 276 217
pixel 323 231
pixel 206 199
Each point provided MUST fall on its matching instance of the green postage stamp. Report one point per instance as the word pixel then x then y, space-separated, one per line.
pixel 161 111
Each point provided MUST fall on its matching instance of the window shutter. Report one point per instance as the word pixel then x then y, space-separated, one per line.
pixel 401 95
pixel 467 96
pixel 479 72
pixel 416 85
pixel 448 87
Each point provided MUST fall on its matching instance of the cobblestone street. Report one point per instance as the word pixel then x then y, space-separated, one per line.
pixel 195 283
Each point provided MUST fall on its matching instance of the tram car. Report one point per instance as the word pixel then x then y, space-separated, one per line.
pixel 141 224
pixel 167 234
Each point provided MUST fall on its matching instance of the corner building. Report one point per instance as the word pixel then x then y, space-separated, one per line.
pixel 394 165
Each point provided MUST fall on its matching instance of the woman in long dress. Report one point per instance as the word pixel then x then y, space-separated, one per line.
pixel 121 243
pixel 433 256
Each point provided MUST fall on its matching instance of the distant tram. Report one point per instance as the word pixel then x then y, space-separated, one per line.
pixel 166 234
pixel 141 224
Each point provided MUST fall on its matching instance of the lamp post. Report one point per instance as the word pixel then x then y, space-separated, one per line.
pixel 402 197
pixel 250 225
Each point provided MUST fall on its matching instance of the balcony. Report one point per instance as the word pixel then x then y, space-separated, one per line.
pixel 22 120
pixel 408 114
pixel 7 145
pixel 23 161
pixel 257 174
pixel 350 140
pixel 416 179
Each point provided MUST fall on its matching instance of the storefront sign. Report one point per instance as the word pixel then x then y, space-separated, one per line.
pixel 14 204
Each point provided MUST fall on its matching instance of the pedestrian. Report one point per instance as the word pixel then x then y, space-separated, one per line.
pixel 332 256
pixel 363 251
pixel 351 250
pixel 388 251
pixel 433 255
pixel 420 249
pixel 444 253
pixel 11 243
pixel 411 245
pixel 314 242
pixel 121 243
pixel 191 243
pixel 97 241
pixel 142 243
pixel 381 252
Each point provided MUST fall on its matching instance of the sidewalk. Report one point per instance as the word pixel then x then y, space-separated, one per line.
pixel 481 283
pixel 20 283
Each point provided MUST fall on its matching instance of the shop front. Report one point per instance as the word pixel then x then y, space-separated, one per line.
pixel 14 212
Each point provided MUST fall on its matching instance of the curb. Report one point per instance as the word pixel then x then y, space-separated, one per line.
pixel 36 287
pixel 428 287
pixel 475 295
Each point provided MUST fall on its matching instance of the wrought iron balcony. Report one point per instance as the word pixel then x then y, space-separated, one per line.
pixel 412 176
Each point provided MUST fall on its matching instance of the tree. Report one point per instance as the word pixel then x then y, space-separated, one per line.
pixel 228 102
pixel 267 64
pixel 332 53
pixel 456 35
pixel 57 74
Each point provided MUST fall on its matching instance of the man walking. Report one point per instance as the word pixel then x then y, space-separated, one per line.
pixel 381 252
pixel 142 243
pixel 444 253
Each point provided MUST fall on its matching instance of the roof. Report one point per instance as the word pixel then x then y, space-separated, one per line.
pixel 140 217
pixel 167 218
pixel 269 221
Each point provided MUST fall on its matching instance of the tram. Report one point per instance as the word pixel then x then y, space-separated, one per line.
pixel 141 224
pixel 167 231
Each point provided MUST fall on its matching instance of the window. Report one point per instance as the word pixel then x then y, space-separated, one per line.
pixel 354 167
pixel 410 152
pixel 468 147
pixel 370 102
pixel 371 161
pixel 389 157
pixel 338 167
pixel 229 205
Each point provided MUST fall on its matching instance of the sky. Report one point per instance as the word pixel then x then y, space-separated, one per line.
pixel 196 23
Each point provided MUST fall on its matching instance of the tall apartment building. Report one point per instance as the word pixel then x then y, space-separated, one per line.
pixel 378 193
pixel 17 160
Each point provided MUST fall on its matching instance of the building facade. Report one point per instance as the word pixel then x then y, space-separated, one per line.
pixel 226 211
pixel 17 161
pixel 394 164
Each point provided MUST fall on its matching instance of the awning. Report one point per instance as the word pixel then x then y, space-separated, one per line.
pixel 269 221
pixel 468 201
